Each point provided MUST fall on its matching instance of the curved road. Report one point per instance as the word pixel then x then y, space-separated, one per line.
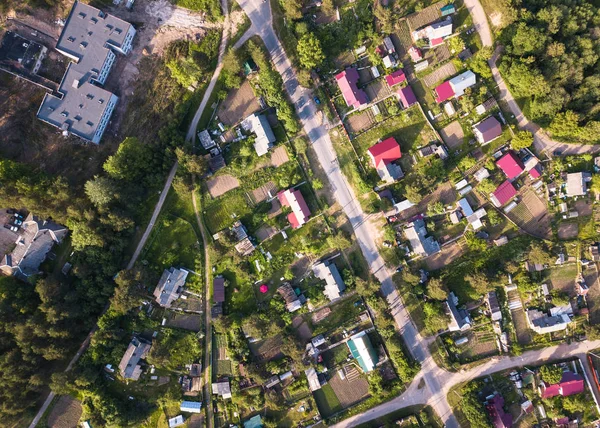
pixel 434 381
pixel 541 140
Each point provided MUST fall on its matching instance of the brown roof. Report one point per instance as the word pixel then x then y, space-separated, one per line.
pixel 219 290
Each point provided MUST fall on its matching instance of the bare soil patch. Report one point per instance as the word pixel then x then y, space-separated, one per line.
pixel 441 73
pixel 378 90
pixel 531 214
pixel 448 254
pixel 265 232
pixel 279 156
pixel 583 207
pixel 360 122
pixel 304 331
pixel 186 321
pixel 568 230
pixel 453 135
pixel 350 392
pixel 239 104
pixel 593 296
pixel 222 184
pixel 262 193
pixel 65 413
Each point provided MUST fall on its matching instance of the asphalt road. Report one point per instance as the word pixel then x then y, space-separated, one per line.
pixel 542 141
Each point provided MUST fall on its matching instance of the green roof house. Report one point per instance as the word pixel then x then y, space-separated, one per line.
pixel 448 10
pixel 254 422
pixel 363 352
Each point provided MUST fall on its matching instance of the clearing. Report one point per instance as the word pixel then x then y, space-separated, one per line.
pixel 453 135
pixel 239 104
pixel 65 413
pixel 222 184
pixel 531 214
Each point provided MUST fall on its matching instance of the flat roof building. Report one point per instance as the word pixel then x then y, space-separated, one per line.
pixel 90 38
pixel 576 184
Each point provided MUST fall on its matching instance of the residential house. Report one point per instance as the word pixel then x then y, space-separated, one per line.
pixel 90 38
pixel 222 388
pixel 576 183
pixel 570 384
pixel 415 54
pixel 383 155
pixel 389 45
pixel 437 30
pixel 259 125
pixel 334 284
pixel 293 199
pixel 389 61
pixel 503 193
pixel 130 367
pixel 433 149
pixel 494 406
pixel 406 96
pixel 459 318
pixel 473 217
pixel 18 52
pixel 421 244
pixel 25 241
pixel 244 246
pixel 487 130
pixel 347 81
pixel 542 323
pixel 486 106
pixel 595 252
pixel 403 206
pixel 455 87
pixel 313 379
pixel 170 286
pixel 511 165
pixel 206 140
pixel 219 289
pixel 292 300
pixel 492 301
pixel 502 240
pixel 362 351
pixel 395 78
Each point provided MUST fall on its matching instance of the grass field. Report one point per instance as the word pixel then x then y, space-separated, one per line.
pixel 222 212
pixel 212 8
pixel 173 243
pixel 341 312
pixel 327 401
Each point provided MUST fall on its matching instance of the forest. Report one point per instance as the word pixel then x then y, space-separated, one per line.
pixel 551 63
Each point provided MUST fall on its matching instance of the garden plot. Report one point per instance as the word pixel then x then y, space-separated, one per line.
pixel 448 254
pixel 222 184
pixel 568 230
pixel 453 135
pixel 65 413
pixel 378 90
pixel 279 156
pixel 593 296
pixel 360 122
pixel 267 349
pixel 442 53
pixel 351 390
pixel 185 321
pixel 583 207
pixel 424 17
pixel 238 105
pixel 265 232
pixel 531 215
pixel 562 279
pixel 262 193
pixel 482 344
pixel 404 36
pixel 439 74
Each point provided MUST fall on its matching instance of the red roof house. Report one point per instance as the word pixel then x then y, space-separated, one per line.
pixel 347 81
pixel 406 96
pixel 293 198
pixel 495 409
pixel 511 165
pixel 504 193
pixel 395 78
pixel 535 172
pixel 382 155
pixel 570 384
pixel 443 92
pixel 415 54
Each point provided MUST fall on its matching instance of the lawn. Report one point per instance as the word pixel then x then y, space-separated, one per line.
pixel 222 212
pixel 341 312
pixel 212 8
pixel 327 401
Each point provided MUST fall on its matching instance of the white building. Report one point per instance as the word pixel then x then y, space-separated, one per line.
pixel 265 138
pixel 313 379
pixel 541 323
pixel 334 284
pixel 463 81
pixel 576 184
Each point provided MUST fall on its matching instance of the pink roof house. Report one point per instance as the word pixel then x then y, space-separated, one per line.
pixel 495 410
pixel 570 384
pixel 504 193
pixel 415 54
pixel 382 155
pixel 293 198
pixel 406 96
pixel 511 165
pixel 347 80
pixel 443 92
pixel 395 78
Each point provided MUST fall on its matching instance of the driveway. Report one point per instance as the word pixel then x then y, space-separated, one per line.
pixel 541 140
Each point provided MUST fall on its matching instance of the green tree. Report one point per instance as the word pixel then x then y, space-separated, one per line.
pixel 551 374
pixel 467 163
pixel 565 124
pixel 413 194
pixel 486 186
pixel 435 318
pixel 456 44
pixel 435 209
pixel 100 190
pixel 436 289
pixel 521 140
pixel 479 282
pixel 310 52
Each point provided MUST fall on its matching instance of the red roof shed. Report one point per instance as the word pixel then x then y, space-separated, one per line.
pixel 395 78
pixel 436 42
pixel 511 165
pixel 443 92
pixel 386 151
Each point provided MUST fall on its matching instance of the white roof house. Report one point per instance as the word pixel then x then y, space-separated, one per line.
pixel 363 352
pixel 176 421
pixel 576 184
pixel 541 323
pixel 313 379
pixel 421 244
pixel 473 217
pixel 403 206
pixel 206 140
pixel 389 61
pixel 463 81
pixel 459 318
pixel 222 388
pixel 190 406
pixel 264 134
pixel 334 284
pixel 440 29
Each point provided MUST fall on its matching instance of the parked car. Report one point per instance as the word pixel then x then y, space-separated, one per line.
pixel 317 100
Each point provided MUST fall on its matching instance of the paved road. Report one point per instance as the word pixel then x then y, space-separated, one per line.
pixel 542 142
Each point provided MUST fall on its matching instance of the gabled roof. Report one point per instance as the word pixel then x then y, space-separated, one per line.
pixel 329 272
pixel 293 198
pixel 170 286
pixel 395 78
pixel 443 92
pixel 436 42
pixel 415 53
pixel 386 151
pixel 129 366
pixel 347 81
pixel 219 289
pixel 535 172
pixel 511 165
pixel 407 96
pixel 489 129
pixel 363 352
pixel 504 193
pixel 570 384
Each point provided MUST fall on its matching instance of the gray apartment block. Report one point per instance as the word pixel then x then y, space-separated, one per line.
pixel 90 38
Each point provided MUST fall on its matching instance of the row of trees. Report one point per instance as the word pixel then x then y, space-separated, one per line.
pixel 551 62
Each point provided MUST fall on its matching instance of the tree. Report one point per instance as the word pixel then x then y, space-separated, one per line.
pixel 486 186
pixel 467 163
pixel 479 62
pixel 527 40
pixel 436 289
pixel 435 209
pixel 456 44
pixel 100 190
pixel 129 292
pixel 292 8
pixel 494 218
pixel 522 140
pixel 310 52
pixel 435 318
pixel 479 282
pixel 413 194
pixel 538 254
pixel 551 374
pixel 565 124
